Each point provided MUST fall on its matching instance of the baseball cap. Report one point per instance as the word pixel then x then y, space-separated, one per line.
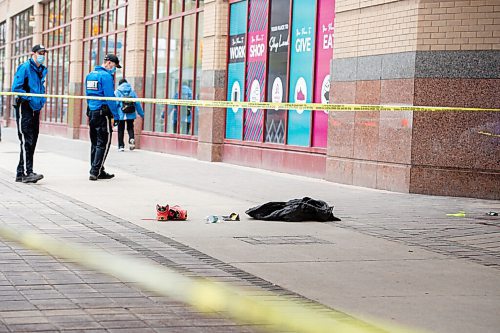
pixel 38 48
pixel 113 58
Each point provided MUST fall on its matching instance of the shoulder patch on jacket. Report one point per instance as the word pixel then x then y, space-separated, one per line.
pixel 92 85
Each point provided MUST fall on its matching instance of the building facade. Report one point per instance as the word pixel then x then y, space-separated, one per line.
pixel 379 52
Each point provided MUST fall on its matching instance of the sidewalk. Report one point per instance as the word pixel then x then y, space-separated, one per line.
pixel 394 257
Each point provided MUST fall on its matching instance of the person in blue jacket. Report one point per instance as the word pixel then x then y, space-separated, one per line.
pixel 127 113
pixel 100 82
pixel 29 78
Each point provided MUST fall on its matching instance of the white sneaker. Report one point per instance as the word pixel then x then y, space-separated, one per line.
pixel 132 144
pixel 121 149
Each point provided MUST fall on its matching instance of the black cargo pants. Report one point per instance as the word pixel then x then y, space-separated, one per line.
pixel 101 129
pixel 28 127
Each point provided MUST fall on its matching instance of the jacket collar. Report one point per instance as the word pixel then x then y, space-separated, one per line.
pixel 40 68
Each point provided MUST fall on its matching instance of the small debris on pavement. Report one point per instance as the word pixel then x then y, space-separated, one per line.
pixel 217 218
pixel 460 213
pixel 231 217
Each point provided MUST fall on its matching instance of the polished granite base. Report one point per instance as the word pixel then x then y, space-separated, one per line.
pixel 453 153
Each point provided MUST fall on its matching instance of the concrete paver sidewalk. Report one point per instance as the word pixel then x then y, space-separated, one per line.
pixel 394 256
pixel 41 294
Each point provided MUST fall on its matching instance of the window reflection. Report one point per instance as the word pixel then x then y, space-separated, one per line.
pixel 177 71
pixel 22 28
pixel 149 76
pixel 2 67
pixel 56 37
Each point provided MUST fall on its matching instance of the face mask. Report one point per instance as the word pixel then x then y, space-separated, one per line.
pixel 40 59
pixel 112 71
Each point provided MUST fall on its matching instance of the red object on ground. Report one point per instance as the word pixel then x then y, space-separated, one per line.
pixel 162 213
pixel 177 213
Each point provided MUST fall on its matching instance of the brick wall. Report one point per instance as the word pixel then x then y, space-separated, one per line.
pixel 374 27
pixel 214 35
pixel 458 25
pixel 134 61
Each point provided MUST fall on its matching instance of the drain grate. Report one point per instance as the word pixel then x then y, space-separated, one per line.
pixel 283 240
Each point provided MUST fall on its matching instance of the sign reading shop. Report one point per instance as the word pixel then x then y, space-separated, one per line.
pixel 237 48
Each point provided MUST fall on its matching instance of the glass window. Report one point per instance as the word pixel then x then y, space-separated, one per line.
pixel 164 8
pixel 67 11
pixel 173 74
pixel 149 75
pixel 93 53
pixel 51 15
pixel 111 21
pixel 189 4
pixel 60 81
pixel 177 6
pixel 102 24
pixel 56 36
pixel 118 50
pixel 111 45
pixel 174 69
pixel 67 34
pixel 121 19
pixel 86 55
pixel 22 40
pixel 86 68
pixel 152 6
pixel 88 7
pixel 188 58
pixel 2 67
pixel 66 82
pixel 55 13
pixel 199 54
pixel 101 50
pixel 161 74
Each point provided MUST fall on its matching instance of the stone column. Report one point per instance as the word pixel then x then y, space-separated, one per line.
pixel 213 78
pixel 374 63
pixel 75 106
pixel 457 65
pixel 134 60
pixel 417 52
pixel 38 28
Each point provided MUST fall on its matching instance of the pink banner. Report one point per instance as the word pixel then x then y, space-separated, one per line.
pixel 257 46
pixel 324 54
pixel 256 68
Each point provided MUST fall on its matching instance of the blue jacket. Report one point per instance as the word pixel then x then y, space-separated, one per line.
pixel 100 82
pixel 125 90
pixel 31 79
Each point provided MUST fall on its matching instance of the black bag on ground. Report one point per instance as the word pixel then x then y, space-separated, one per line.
pixel 296 210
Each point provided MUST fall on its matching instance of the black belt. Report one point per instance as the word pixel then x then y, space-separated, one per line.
pixel 103 111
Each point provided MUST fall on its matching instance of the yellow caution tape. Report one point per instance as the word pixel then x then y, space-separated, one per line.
pixel 263 105
pixel 264 309
pixel 489 134
pixel 460 213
